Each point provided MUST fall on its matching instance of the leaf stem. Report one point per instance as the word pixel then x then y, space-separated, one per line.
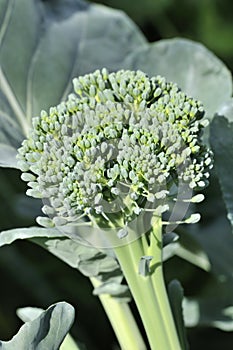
pixel 149 291
pixel 69 344
pixel 122 321
pixel 159 286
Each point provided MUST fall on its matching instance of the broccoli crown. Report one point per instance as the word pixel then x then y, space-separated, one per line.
pixel 121 141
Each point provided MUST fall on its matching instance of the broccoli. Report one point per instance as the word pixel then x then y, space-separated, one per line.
pixel 115 149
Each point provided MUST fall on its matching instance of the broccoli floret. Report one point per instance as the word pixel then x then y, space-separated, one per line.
pixel 117 147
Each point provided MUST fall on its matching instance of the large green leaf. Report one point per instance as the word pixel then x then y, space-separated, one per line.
pixel 7 156
pixel 47 331
pixel 27 314
pixel 226 110
pixel 213 305
pixel 91 262
pixel 188 248
pixel 221 138
pixel 189 64
pixel 9 236
pixel 209 294
pixel 175 294
pixel 44 44
pixel 88 260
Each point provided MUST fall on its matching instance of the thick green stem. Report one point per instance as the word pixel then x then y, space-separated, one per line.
pixel 69 344
pixel 149 291
pixel 122 321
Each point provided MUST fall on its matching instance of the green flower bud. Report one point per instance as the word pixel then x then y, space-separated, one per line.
pixel 120 135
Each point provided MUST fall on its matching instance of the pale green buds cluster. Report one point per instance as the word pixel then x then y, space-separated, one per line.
pixel 123 140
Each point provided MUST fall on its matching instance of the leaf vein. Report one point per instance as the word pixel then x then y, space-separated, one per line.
pixel 72 71
pixel 6 20
pixel 7 91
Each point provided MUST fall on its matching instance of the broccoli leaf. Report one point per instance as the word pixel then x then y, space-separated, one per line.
pixel 226 110
pixel 90 261
pixel 27 314
pixel 212 306
pixel 43 45
pixel 188 248
pixel 47 331
pixel 9 236
pixel 221 138
pixel 7 156
pixel 195 69
pixel 175 294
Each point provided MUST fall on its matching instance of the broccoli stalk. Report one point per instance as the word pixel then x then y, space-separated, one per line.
pixel 109 163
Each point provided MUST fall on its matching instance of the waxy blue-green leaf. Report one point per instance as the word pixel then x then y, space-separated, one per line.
pixel 9 236
pixel 189 249
pixel 226 110
pixel 195 69
pixel 7 156
pixel 91 262
pixel 88 260
pixel 27 314
pixel 210 299
pixel 221 139
pixel 43 45
pixel 212 307
pixel 113 288
pixel 209 312
pixel 175 294
pixel 47 331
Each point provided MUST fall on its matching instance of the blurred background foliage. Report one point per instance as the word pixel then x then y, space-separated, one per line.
pixel 207 21
pixel 31 276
